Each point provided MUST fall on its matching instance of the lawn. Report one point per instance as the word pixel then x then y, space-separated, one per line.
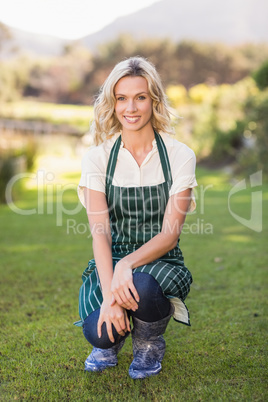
pixel 221 357
pixel 75 115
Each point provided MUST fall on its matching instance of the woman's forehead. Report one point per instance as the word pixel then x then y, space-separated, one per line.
pixel 131 84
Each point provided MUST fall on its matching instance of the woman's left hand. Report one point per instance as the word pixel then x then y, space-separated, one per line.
pixel 122 287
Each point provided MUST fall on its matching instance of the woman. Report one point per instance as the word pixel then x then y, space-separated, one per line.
pixel 136 185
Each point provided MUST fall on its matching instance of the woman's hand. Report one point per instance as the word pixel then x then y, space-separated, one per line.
pixel 122 287
pixel 115 315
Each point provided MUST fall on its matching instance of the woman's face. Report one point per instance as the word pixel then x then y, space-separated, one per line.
pixel 133 105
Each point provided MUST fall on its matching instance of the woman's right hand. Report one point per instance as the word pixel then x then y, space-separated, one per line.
pixel 115 315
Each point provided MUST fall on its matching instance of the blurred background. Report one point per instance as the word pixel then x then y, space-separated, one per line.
pixel 212 57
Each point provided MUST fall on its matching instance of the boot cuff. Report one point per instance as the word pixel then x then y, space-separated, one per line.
pixel 146 330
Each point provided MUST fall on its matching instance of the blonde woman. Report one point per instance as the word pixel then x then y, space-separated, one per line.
pixel 136 185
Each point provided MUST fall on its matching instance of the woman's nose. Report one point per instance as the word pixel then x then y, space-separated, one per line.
pixel 131 106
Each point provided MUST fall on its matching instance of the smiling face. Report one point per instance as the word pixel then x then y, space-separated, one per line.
pixel 133 106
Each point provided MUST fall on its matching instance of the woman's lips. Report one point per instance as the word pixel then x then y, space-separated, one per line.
pixel 132 120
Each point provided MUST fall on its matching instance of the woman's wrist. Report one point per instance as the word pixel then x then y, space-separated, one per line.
pixel 126 262
pixel 107 296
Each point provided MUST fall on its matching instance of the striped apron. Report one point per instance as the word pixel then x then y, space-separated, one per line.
pixel 136 215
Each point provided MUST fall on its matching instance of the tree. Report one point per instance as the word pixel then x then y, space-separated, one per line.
pixel 261 76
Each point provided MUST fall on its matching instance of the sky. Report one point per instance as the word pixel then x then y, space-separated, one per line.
pixel 68 19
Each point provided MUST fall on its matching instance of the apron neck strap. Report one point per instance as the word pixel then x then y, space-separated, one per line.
pixel 164 159
pixel 112 161
pixel 162 154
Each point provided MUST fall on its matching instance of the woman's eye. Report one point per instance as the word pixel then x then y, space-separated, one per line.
pixel 120 98
pixel 141 97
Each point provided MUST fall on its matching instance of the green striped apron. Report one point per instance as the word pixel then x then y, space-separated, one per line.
pixel 136 215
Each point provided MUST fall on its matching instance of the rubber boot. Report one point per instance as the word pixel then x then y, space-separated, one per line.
pixel 148 347
pixel 100 359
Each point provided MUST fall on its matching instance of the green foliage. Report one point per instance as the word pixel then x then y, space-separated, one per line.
pixel 216 63
pixel 216 121
pixel 15 159
pixel 212 119
pixel 221 357
pixel 14 75
pixel 76 76
pixel 227 144
pixel 254 156
pixel 7 171
pixel 261 76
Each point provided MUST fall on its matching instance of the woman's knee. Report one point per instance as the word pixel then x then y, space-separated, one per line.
pixel 91 334
pixel 153 305
pixel 145 284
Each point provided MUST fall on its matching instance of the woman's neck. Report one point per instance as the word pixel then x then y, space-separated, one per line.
pixel 138 141
pixel 138 144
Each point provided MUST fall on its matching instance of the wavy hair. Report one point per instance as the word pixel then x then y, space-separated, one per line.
pixel 105 123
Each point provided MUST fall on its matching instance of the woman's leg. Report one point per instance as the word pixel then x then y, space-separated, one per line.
pixel 149 324
pixel 104 353
pixel 153 305
pixel 91 335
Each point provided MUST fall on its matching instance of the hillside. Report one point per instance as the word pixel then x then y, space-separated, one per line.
pixel 32 43
pixel 228 21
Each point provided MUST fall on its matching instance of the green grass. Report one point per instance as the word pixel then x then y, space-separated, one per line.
pixel 221 357
pixel 74 115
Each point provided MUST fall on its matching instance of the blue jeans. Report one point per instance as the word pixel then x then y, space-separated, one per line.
pixel 153 306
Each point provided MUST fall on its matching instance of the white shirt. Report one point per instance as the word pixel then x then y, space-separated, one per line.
pixel 129 174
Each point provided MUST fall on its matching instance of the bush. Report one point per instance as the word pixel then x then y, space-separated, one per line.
pixel 227 144
pixel 7 171
pixel 14 161
pixel 254 155
pixel 261 76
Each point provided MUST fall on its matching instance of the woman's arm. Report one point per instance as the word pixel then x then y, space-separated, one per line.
pixel 155 248
pixel 98 217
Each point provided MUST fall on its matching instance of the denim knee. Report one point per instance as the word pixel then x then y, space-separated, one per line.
pixel 153 305
pixel 91 335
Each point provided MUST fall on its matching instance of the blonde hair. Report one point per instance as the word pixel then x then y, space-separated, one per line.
pixel 105 123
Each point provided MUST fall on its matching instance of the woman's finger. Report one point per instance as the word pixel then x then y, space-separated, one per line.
pixel 100 322
pixel 130 301
pixel 109 331
pixel 118 298
pixel 134 292
pixel 127 321
pixel 127 298
pixel 126 306
pixel 112 301
pixel 120 327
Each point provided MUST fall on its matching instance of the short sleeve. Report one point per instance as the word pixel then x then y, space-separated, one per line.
pixel 92 174
pixel 183 175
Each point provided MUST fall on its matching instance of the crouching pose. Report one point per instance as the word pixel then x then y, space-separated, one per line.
pixel 136 185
